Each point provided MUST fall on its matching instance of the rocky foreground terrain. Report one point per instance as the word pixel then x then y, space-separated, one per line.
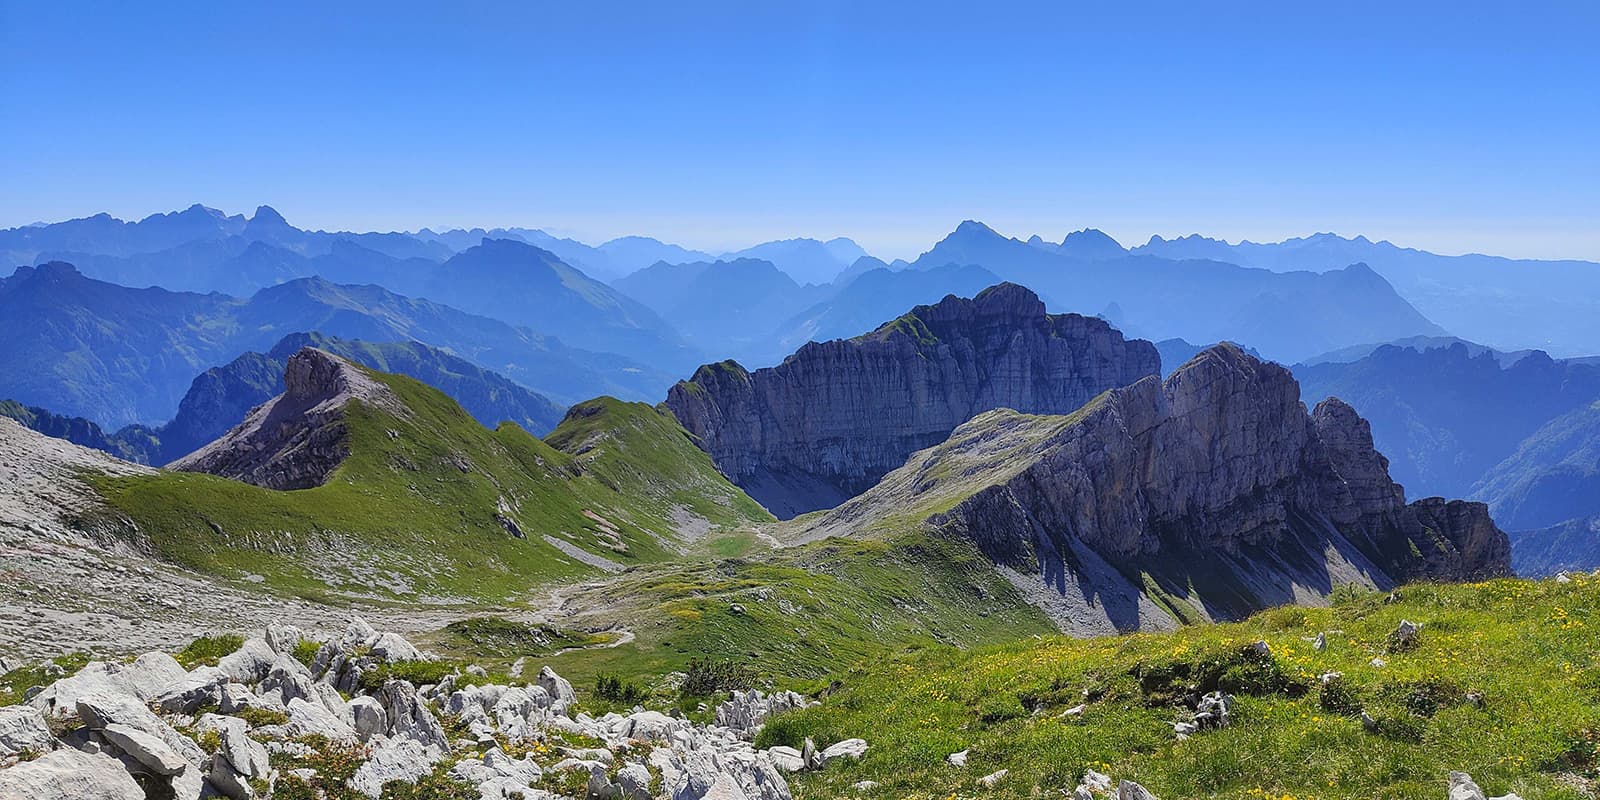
pixel 286 715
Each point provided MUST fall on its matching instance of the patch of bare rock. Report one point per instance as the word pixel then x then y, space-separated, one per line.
pixel 262 722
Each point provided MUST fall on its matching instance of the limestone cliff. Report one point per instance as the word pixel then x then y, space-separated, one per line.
pixel 1207 496
pixel 834 417
pixel 294 440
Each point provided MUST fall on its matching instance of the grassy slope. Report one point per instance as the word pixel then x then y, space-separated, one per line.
pixel 402 507
pixel 808 612
pixel 1528 647
pixel 988 450
pixel 644 453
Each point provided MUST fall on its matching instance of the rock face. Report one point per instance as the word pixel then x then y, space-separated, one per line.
pixel 833 418
pixel 1216 484
pixel 294 440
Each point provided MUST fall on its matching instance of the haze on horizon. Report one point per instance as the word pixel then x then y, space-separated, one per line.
pixel 718 125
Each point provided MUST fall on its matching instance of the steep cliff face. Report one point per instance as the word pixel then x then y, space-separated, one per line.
pixel 1207 496
pixel 294 440
pixel 834 417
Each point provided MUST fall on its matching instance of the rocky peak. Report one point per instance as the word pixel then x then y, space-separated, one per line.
pixel 834 417
pixel 1216 483
pixel 297 439
pixel 268 216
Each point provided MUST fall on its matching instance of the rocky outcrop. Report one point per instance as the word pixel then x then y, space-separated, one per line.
pixel 461 730
pixel 1216 485
pixel 294 440
pixel 834 417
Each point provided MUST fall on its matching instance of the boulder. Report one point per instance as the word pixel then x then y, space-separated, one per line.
pixel 70 775
pixel 145 748
pixel 633 780
pixel 399 759
pixel 247 756
pixel 368 717
pixel 202 686
pixel 748 711
pixel 283 639
pixel 1405 635
pixel 852 749
pixel 650 726
pixel 308 717
pixel 288 679
pixel 23 730
pixel 1128 790
pixel 786 759
pixel 101 711
pixel 356 635
pixel 1462 787
pixel 141 680
pixel 250 663
pixel 560 690
pixel 1214 710
pixel 391 647
pixel 409 718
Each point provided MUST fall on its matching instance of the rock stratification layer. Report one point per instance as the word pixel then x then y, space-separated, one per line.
pixel 834 417
pixel 294 440
pixel 1208 496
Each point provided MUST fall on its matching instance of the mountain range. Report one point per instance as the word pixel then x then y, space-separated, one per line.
pixel 118 356
pixel 1508 303
pixel 1286 316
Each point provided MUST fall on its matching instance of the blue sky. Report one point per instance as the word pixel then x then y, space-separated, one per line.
pixel 1456 127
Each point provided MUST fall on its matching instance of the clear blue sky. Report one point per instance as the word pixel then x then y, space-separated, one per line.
pixel 1453 126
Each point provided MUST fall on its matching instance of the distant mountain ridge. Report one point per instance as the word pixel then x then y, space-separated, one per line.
pixel 1446 416
pixel 117 355
pixel 1510 304
pixel 1286 316
pixel 221 397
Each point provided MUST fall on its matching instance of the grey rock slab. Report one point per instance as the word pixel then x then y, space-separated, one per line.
pixel 23 730
pixel 146 748
pixel 70 775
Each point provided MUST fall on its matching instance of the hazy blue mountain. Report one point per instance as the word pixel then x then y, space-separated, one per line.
pixel 525 285
pixel 864 303
pixel 862 266
pixel 725 308
pixel 107 235
pixel 1506 303
pixel 115 355
pixel 202 250
pixel 1286 316
pixel 1554 475
pixel 1444 417
pixel 1570 546
pixel 1177 352
pixel 458 239
pixel 609 261
pixel 805 260
pixel 1345 355
pixel 1089 243
pixel 83 432
pixel 509 280
pixel 630 254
